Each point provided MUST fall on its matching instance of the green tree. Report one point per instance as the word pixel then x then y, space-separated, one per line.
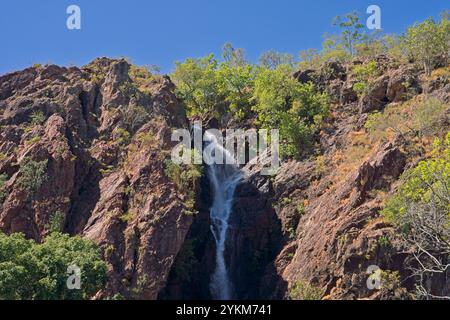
pixel 310 58
pixel 333 49
pixel 272 59
pixel 352 33
pixel 296 109
pixel 420 210
pixel 427 42
pixel 234 57
pixel 29 270
pixel 236 84
pixel 197 84
pixel 365 74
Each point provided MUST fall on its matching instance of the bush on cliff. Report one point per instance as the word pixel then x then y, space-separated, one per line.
pixel 32 175
pixel 421 212
pixel 296 109
pixel 428 42
pixel 3 179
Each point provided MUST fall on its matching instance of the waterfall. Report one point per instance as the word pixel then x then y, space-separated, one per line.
pixel 224 178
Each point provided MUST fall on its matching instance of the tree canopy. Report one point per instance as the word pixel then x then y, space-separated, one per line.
pixel 30 270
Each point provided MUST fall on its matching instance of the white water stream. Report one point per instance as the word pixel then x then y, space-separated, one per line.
pixel 224 178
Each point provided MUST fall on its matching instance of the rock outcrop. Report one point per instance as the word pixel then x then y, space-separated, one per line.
pixel 103 142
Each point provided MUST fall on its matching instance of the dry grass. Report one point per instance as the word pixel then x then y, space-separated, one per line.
pixel 441 72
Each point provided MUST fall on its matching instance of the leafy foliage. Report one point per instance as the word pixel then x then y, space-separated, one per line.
pixel 134 117
pixel 3 194
pixel 426 118
pixel 234 57
pixel 235 85
pixel 427 183
pixel 121 136
pixel 352 32
pixel 296 109
pixel 421 211
pixel 56 222
pixel 130 90
pixel 272 59
pixel 196 84
pixel 37 118
pixel 302 290
pixel 429 117
pixel 428 41
pixel 186 179
pixel 32 175
pixel 38 271
pixel 143 77
pixel 364 73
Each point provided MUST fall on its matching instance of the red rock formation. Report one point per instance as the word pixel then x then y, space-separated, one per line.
pixel 121 200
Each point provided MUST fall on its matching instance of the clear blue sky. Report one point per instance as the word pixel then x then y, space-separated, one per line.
pixel 163 31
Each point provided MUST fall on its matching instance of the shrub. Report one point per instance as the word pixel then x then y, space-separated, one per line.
pixel 300 209
pixel 365 74
pixel 56 222
pixel 127 217
pixel 296 109
pixel 420 211
pixel 310 59
pixel 3 193
pixel 185 179
pixel 32 271
pixel 32 175
pixel 391 284
pixel 429 117
pixel 146 138
pixel 142 76
pixel 134 117
pixel 37 118
pixel 427 42
pixel 425 183
pixel 426 118
pixel 121 136
pixel 34 140
pixel 130 90
pixel 334 50
pixel 302 290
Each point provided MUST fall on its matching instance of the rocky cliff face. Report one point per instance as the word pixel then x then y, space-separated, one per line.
pixel 103 137
pixel 104 143
pixel 328 207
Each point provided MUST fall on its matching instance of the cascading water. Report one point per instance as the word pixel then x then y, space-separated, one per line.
pixel 224 178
